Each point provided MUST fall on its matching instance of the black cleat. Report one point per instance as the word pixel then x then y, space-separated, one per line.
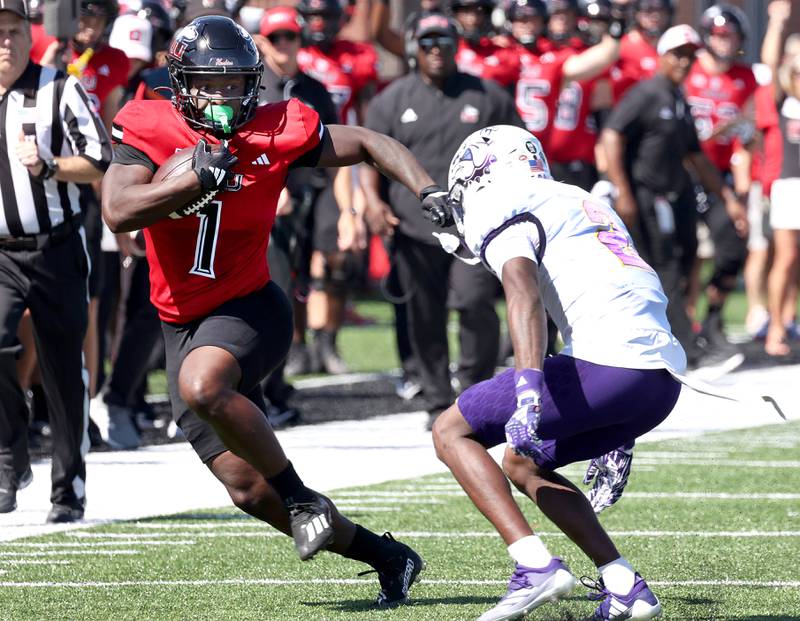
pixel 10 484
pixel 400 573
pixel 65 513
pixel 311 523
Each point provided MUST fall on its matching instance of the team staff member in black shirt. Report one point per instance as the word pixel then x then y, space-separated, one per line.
pixel 649 138
pixel 308 203
pixel 431 111
pixel 51 140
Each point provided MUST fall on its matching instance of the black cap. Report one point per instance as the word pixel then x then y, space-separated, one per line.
pixel 435 23
pixel 20 7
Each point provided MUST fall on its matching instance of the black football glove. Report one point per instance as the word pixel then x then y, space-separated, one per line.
pixel 435 207
pixel 618 25
pixel 212 167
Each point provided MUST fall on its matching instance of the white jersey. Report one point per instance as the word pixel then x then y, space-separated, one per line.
pixel 607 302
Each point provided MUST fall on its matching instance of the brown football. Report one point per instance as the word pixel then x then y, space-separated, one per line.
pixel 177 164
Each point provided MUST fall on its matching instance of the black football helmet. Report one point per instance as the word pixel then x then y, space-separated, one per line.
pixel 214 45
pixel 333 18
pixel 724 18
pixel 556 6
pixel 594 19
pixel 653 5
pixel 519 9
pixel 473 35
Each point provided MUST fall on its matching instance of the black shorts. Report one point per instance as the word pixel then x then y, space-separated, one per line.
pixel 325 237
pixel 255 329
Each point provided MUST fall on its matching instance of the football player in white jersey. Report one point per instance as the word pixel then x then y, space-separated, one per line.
pixel 555 249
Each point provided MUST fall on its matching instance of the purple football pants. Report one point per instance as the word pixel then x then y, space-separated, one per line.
pixel 587 409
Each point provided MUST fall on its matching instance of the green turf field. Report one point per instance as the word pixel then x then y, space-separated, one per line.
pixel 712 522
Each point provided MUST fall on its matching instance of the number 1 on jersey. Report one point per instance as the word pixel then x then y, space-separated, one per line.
pixel 207 236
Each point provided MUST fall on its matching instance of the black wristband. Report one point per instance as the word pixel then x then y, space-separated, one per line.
pixel 49 169
pixel 616 28
pixel 429 190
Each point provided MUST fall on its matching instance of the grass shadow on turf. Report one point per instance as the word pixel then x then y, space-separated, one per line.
pixel 360 605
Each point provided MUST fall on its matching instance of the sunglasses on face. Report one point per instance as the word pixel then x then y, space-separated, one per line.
pixel 277 37
pixel 445 44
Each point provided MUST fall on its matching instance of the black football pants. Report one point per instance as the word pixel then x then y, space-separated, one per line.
pixel 52 283
pixel 434 283
pixel 671 253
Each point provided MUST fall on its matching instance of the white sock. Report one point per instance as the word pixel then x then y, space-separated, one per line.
pixel 618 576
pixel 530 551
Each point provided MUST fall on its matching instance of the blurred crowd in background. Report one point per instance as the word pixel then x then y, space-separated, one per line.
pixel 558 67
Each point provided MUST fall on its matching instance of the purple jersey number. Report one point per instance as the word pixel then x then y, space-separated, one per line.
pixel 612 238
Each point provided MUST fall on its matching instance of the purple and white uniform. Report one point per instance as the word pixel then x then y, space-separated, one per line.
pixel 612 380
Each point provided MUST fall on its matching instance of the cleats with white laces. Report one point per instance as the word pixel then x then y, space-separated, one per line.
pixel 530 588
pixel 639 604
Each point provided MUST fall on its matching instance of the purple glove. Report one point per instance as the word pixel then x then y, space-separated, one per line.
pixel 521 428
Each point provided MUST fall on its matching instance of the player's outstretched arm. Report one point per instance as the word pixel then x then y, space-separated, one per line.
pixel 348 145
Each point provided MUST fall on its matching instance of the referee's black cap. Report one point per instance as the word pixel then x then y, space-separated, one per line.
pixel 20 7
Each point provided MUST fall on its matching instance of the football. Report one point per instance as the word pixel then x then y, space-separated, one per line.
pixel 177 164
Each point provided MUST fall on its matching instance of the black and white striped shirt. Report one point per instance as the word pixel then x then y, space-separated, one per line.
pixel 53 107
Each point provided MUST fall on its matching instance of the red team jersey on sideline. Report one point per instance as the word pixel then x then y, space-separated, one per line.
pixel 638 61
pixel 537 91
pixel 107 69
pixel 201 261
pixel 489 61
pixel 574 131
pixel 345 70
pixel 715 99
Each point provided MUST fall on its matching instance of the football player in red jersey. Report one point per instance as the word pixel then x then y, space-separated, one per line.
pixel 573 130
pixel 638 59
pixel 543 72
pixel 477 54
pixel 226 325
pixel 720 91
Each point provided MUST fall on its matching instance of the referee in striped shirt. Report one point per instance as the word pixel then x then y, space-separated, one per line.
pixel 50 140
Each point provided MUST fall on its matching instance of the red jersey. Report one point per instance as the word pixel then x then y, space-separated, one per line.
pixel 638 61
pixel 345 69
pixel 107 68
pixel 717 99
pixel 489 61
pixel 537 91
pixel 574 131
pixel 199 262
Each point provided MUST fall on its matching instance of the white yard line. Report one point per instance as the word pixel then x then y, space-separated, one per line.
pixel 395 496
pixel 789 584
pixel 105 544
pixel 33 561
pixel 131 538
pixel 70 553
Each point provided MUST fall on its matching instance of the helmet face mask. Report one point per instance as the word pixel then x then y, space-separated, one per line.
pixel 215 71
